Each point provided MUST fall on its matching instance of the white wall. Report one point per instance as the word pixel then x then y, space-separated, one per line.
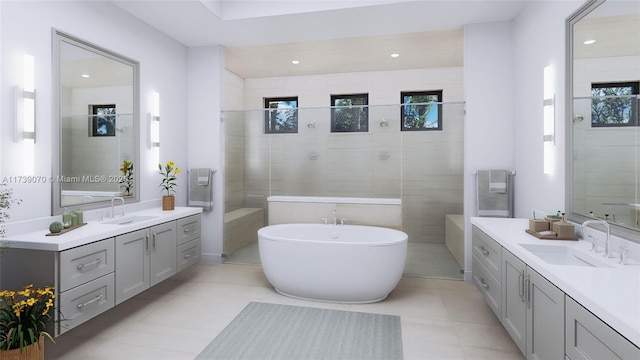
pixel 504 65
pixel 205 145
pixel 539 41
pixel 488 128
pixel 26 28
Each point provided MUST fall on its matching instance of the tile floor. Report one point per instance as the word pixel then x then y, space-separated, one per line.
pixel 441 319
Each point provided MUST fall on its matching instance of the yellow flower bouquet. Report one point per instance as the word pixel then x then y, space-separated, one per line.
pixel 168 173
pixel 24 316
pixel 127 177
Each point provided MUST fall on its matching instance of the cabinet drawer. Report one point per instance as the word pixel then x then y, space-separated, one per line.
pixel 188 229
pixel 489 287
pixel 488 251
pixel 86 301
pixel 85 263
pixel 588 337
pixel 188 254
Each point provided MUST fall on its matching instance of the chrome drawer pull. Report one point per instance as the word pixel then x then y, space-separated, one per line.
pixel 154 242
pixel 483 284
pixel 484 251
pixel 82 266
pixel 186 256
pixel 80 306
pixel 527 290
pixel 521 285
pixel 187 230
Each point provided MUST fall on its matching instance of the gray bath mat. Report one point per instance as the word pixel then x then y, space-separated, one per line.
pixel 272 331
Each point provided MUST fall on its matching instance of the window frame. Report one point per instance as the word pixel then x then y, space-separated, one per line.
pixel 404 106
pixel 269 112
pixel 99 118
pixel 633 111
pixel 364 108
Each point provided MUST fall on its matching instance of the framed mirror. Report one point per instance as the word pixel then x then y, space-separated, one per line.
pixel 95 125
pixel 603 133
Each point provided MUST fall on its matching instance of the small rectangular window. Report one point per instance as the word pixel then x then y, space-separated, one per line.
pixel 417 112
pixel 103 120
pixel 350 113
pixel 614 104
pixel 281 115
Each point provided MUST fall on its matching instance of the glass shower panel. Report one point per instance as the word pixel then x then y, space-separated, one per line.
pixel 432 176
pixel 423 168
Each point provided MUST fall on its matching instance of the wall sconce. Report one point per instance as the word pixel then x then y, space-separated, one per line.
pixel 549 121
pixel 25 104
pixel 24 115
pixel 154 129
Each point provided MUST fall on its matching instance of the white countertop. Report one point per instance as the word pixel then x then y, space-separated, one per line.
pixel 610 293
pixel 94 230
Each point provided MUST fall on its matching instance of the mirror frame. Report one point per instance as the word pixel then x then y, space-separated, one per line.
pixel 624 232
pixel 56 124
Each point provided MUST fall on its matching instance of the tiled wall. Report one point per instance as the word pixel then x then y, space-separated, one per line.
pixel 423 168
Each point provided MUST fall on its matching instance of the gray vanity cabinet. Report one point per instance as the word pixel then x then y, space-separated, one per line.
pixel 545 318
pixel 532 310
pixel 514 306
pixel 86 283
pixel 132 269
pixel 144 258
pixel 486 269
pixel 188 242
pixel 589 338
pixel 162 252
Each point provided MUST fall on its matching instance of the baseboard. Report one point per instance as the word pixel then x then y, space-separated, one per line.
pixel 211 258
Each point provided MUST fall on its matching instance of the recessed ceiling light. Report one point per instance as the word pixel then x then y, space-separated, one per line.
pixel 85 75
pixel 395 55
pixel 589 42
pixel 295 62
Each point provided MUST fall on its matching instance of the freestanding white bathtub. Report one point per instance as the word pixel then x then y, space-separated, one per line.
pixel 333 263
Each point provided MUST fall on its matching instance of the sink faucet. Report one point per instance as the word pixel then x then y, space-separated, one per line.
pixel 113 215
pixel 335 218
pixel 607 242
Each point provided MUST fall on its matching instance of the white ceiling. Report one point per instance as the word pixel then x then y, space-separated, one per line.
pixel 286 29
pixel 197 23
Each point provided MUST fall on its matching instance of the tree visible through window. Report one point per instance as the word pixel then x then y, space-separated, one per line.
pixel 281 116
pixel 103 120
pixel 350 113
pixel 417 113
pixel 614 104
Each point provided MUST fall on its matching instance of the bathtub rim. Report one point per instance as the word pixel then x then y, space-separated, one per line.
pixel 405 238
pixel 334 200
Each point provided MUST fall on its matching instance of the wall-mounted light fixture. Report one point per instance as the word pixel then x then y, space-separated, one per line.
pixel 25 104
pixel 24 114
pixel 549 122
pixel 154 129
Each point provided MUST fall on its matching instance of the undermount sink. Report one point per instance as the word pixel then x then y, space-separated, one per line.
pixel 129 220
pixel 563 255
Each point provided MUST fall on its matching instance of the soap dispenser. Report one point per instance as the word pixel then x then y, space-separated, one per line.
pixel 563 229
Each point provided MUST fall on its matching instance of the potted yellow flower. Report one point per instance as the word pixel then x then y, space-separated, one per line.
pixel 126 181
pixel 168 172
pixel 24 316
